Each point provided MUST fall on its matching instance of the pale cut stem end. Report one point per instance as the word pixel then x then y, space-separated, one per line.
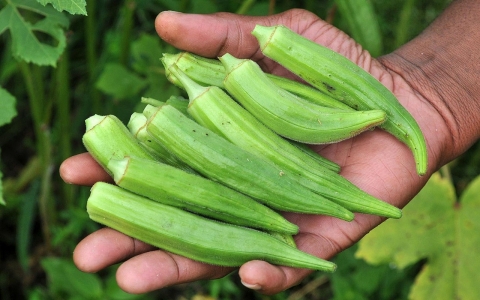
pixel 93 121
pixel 149 110
pixel 136 123
pixel 118 167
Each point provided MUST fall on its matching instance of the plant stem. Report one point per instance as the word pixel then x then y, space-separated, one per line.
pixel 403 28
pixel 91 46
pixel 271 7
pixel 62 96
pixel 35 90
pixel 245 6
pixel 127 18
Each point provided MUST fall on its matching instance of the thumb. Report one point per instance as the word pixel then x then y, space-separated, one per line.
pixel 213 35
pixel 209 35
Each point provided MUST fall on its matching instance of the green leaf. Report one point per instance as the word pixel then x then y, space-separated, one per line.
pixel 146 52
pixel 438 229
pixel 356 279
pixel 7 113
pixel 71 6
pixel 65 279
pixel 119 82
pixel 7 107
pixel 26 44
pixel 362 24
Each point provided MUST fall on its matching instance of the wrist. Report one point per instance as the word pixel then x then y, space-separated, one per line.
pixel 442 66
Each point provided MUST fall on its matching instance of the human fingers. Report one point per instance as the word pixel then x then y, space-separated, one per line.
pixel 144 267
pixel 82 169
pixel 321 236
pixel 105 247
pixel 216 34
pixel 386 172
pixel 158 269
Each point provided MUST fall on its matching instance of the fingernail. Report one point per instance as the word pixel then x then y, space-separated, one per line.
pixel 255 287
pixel 172 11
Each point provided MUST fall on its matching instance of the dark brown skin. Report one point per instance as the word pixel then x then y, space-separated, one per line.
pixel 435 77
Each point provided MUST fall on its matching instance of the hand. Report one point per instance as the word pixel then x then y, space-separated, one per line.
pixel 374 161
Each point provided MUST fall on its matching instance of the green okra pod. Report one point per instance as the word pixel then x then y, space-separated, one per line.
pixel 333 73
pixel 214 109
pixel 151 101
pixel 211 72
pixel 137 126
pixel 218 159
pixel 307 150
pixel 179 103
pixel 190 235
pixel 106 137
pixel 175 187
pixel 150 110
pixel 289 115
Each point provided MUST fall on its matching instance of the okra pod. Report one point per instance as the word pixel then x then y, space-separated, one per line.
pixel 190 235
pixel 213 108
pixel 107 137
pixel 137 126
pixel 211 72
pixel 179 103
pixel 218 159
pixel 289 115
pixel 151 101
pixel 172 186
pixel 333 73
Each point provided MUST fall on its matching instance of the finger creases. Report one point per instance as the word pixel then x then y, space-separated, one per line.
pixel 106 247
pixel 90 170
pixel 270 279
pixel 207 35
pixel 157 269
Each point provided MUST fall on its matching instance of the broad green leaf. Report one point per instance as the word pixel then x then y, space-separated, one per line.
pixel 7 107
pixel 26 44
pixel 71 6
pixel 7 113
pixel 119 82
pixel 355 279
pixel 65 279
pixel 362 23
pixel 438 229
pixel 146 52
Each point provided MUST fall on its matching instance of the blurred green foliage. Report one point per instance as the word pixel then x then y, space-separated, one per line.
pixel 44 218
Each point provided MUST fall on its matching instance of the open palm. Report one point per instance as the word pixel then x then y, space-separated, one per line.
pixel 374 161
